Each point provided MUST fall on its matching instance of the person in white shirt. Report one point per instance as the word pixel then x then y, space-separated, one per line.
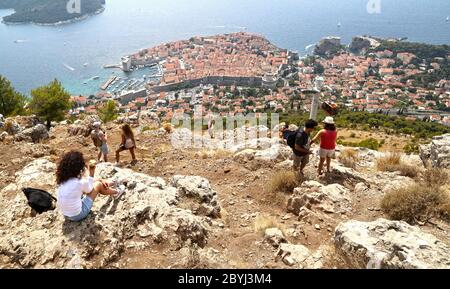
pixel 77 193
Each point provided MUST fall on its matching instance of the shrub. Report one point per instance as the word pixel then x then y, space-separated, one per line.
pixel 435 177
pixel 416 202
pixel 353 135
pixel 393 163
pixel 349 158
pixel 283 181
pixel 168 127
pixel 389 163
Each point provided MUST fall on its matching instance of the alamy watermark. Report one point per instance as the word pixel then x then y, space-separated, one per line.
pixel 214 131
pixel 374 7
pixel 73 7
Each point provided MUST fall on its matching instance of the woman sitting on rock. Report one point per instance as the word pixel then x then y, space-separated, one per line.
pixel 76 192
pixel 128 143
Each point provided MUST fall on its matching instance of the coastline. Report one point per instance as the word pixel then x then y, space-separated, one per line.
pixel 59 23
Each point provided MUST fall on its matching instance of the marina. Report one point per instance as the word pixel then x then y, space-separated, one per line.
pixel 108 83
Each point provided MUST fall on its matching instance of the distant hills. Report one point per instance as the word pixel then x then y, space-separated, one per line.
pixel 47 11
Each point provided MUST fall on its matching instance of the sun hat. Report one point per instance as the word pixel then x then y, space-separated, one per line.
pixel 328 120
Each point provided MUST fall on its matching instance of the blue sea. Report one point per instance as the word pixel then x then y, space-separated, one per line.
pixel 32 55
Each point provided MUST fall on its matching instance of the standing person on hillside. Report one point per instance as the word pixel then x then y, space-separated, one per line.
pixel 301 147
pixel 211 124
pixel 100 141
pixel 128 143
pixel 77 192
pixel 327 137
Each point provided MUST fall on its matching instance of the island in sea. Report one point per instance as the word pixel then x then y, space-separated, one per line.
pixel 48 12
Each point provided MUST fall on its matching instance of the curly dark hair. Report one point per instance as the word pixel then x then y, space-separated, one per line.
pixel 71 165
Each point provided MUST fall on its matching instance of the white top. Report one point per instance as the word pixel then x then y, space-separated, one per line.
pixel 129 143
pixel 70 193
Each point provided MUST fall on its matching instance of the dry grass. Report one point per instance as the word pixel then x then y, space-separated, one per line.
pixel 263 222
pixel 393 163
pixel 435 177
pixel 417 202
pixel 283 181
pixel 167 127
pixel 349 158
pixel 218 153
pixel 389 163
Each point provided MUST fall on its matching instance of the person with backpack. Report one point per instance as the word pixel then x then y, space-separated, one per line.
pixel 327 137
pixel 299 141
pixel 128 143
pixel 100 141
pixel 77 192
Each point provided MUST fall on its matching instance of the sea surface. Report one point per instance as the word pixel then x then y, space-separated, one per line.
pixel 32 55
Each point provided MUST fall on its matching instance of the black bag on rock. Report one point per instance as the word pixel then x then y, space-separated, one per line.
pixel 41 201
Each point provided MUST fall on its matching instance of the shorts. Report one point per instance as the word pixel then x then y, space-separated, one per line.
pixel 323 153
pixel 104 149
pixel 86 206
pixel 299 160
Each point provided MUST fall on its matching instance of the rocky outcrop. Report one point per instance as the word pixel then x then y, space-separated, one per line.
pixel 437 154
pixel 313 196
pixel 144 118
pixel 389 244
pixel 33 134
pixel 83 127
pixel 328 46
pixel 150 210
pixel 360 44
pixel 198 188
pixel 274 237
pixel 298 256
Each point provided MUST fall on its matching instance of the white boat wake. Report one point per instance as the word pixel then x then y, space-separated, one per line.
pixel 68 67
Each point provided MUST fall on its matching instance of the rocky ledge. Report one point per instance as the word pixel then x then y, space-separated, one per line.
pixel 149 209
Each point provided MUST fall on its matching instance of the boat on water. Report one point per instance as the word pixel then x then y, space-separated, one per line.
pixel 85 64
pixel 68 67
pixel 339 24
pixel 19 41
pixel 95 77
pixel 447 19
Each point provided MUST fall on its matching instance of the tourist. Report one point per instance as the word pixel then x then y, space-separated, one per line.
pixel 211 124
pixel 100 141
pixel 327 137
pixel 128 143
pixel 77 192
pixel 284 131
pixel 302 147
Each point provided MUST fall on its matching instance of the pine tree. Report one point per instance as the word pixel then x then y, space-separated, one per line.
pixel 11 102
pixel 50 102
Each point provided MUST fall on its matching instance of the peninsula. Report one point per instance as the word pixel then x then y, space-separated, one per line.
pixel 48 12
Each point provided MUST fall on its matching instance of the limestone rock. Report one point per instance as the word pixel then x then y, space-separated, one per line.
pixel 148 209
pixel 83 127
pixel 390 244
pixel 437 154
pixel 298 256
pixel 328 46
pixel 274 236
pixel 314 196
pixel 34 134
pixel 200 189
pixel 360 44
